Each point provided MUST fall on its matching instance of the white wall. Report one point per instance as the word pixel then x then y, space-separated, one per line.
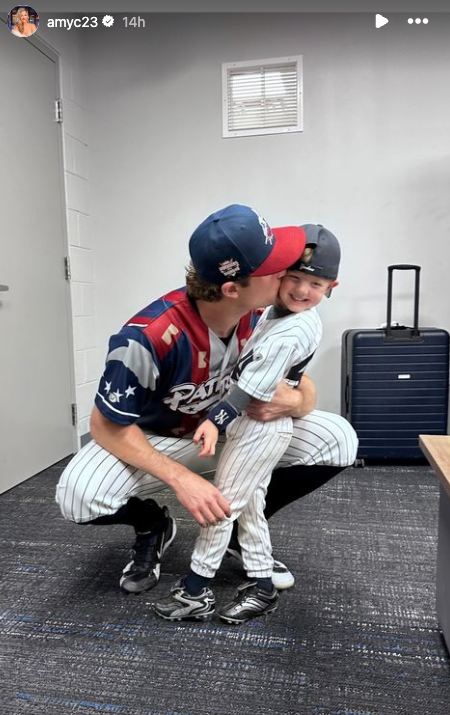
pixel 372 163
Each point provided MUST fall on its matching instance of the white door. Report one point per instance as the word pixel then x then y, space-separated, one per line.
pixel 35 370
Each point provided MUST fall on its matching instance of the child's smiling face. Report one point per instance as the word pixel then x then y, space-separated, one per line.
pixel 300 291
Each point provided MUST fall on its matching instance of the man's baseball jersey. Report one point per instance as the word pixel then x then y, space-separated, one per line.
pixel 279 349
pixel 165 369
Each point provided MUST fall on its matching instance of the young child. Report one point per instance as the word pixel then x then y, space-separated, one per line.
pixel 281 345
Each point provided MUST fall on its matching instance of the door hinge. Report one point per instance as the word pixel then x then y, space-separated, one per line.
pixel 74 414
pixel 58 110
pixel 67 271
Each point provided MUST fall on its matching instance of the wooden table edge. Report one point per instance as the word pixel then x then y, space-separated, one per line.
pixel 436 448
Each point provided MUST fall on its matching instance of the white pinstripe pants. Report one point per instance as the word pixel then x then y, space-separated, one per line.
pixel 252 451
pixel 95 483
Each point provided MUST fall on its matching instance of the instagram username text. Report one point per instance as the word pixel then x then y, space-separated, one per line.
pixel 67 23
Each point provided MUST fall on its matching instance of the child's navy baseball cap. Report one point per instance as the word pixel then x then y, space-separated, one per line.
pixel 326 252
pixel 237 242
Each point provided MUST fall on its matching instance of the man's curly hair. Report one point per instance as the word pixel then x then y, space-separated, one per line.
pixel 198 289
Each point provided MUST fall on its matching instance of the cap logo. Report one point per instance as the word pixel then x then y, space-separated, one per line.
pixel 305 267
pixel 230 267
pixel 267 231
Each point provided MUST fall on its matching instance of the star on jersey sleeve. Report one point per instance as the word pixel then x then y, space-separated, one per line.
pixel 131 374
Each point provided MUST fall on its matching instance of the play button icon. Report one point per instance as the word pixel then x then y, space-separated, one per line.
pixel 380 20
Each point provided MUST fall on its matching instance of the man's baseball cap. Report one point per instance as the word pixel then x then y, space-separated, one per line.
pixel 236 242
pixel 326 252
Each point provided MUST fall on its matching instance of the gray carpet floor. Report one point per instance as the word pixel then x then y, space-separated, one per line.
pixel 358 635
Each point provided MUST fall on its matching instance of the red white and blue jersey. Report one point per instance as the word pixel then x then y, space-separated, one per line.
pixel 165 369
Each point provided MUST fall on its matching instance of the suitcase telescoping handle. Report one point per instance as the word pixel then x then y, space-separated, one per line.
pixel 403 267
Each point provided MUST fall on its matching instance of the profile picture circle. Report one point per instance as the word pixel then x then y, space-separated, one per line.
pixel 23 21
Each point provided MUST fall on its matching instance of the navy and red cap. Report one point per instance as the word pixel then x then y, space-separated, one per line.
pixel 236 242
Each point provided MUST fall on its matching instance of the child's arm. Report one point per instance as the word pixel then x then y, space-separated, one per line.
pixel 219 418
pixel 207 433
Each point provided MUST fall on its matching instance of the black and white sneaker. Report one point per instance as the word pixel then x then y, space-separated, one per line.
pixel 181 606
pixel 143 571
pixel 249 602
pixel 282 578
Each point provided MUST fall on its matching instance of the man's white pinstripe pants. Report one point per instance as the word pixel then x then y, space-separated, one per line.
pixel 95 483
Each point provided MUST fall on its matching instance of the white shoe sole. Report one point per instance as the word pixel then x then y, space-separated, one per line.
pixel 282 579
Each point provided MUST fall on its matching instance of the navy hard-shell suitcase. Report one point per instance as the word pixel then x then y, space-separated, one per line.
pixel 395 384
